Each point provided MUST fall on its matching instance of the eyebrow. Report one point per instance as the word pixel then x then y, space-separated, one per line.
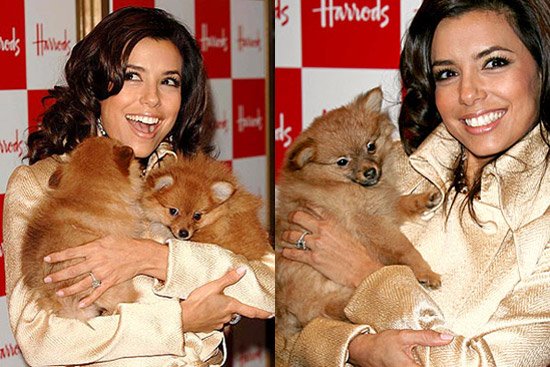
pixel 139 68
pixel 480 55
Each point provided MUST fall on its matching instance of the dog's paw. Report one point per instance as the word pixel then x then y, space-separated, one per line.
pixel 429 279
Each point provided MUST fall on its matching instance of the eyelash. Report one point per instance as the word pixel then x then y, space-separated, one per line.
pixel 501 61
pixel 171 82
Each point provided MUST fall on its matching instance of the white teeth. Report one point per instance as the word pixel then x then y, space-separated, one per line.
pixel 484 119
pixel 143 119
pixel 151 128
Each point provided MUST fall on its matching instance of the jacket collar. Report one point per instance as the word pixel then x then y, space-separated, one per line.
pixel 523 176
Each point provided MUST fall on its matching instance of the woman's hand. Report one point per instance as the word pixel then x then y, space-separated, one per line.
pixel 331 250
pixel 112 260
pixel 207 308
pixel 393 348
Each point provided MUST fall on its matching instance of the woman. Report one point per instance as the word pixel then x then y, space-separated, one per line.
pixel 475 117
pixel 137 77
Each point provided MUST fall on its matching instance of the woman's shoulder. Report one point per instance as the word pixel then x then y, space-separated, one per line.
pixel 25 176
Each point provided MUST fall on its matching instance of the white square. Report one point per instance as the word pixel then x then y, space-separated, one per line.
pixel 12 354
pixel 288 33
pixel 223 112
pixel 408 10
pixel 50 32
pixel 252 173
pixel 13 132
pixel 182 10
pixel 248 39
pixel 324 89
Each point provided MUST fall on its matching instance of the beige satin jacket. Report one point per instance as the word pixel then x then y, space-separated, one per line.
pixel 495 293
pixel 146 333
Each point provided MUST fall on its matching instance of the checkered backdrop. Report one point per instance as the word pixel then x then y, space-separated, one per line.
pixel 36 37
pixel 329 51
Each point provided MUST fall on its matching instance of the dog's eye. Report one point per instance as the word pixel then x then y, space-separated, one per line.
pixel 342 162
pixel 371 147
pixel 197 216
pixel 173 211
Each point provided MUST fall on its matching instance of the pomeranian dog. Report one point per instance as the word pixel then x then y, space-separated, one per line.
pixel 96 194
pixel 197 198
pixel 339 165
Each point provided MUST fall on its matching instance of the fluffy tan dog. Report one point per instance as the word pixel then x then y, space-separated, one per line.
pixel 199 199
pixel 94 195
pixel 338 164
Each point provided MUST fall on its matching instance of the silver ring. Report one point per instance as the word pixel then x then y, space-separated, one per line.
pixel 301 243
pixel 95 282
pixel 235 319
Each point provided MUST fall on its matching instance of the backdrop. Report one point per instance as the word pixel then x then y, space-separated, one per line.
pixel 329 51
pixel 36 37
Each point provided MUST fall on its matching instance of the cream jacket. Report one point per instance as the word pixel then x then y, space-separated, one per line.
pixel 495 293
pixel 146 333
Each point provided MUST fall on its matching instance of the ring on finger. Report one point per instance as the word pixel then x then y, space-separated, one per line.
pixel 235 319
pixel 96 283
pixel 301 243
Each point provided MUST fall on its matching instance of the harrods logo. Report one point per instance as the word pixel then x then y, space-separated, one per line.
pixel 247 121
pixel 282 133
pixel 281 14
pixel 223 124
pixel 10 44
pixel 245 41
pixel 9 350
pixel 12 146
pixel 50 44
pixel 351 12
pixel 212 41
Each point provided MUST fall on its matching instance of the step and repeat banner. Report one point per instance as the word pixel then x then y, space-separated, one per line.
pixel 36 37
pixel 329 51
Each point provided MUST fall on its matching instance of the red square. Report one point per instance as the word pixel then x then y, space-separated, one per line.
pixel 356 34
pixel 36 107
pixel 249 135
pixel 288 111
pixel 12 45
pixel 117 4
pixel 213 32
pixel 2 267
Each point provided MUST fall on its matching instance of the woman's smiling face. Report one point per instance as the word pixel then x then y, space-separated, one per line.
pixel 146 108
pixel 487 83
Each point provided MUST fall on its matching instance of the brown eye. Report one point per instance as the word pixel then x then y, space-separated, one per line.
pixel 342 162
pixel 197 216
pixel 371 147
pixel 173 211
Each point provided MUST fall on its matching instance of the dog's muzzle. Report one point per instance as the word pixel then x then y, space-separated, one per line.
pixel 369 177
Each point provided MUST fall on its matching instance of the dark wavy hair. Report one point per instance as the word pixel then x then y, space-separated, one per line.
pixel 530 20
pixel 95 71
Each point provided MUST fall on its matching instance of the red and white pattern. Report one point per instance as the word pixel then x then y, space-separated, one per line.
pixel 327 52
pixel 35 40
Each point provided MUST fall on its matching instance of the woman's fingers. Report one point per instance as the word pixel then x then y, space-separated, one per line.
pixel 298 255
pixel 427 338
pixel 305 220
pixel 68 254
pixel 248 311
pixel 230 278
pixel 67 273
pixel 292 237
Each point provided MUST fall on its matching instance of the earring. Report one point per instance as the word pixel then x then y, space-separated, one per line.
pixel 100 127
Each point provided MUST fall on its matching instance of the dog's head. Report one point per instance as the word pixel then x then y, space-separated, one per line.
pixel 184 198
pixel 345 144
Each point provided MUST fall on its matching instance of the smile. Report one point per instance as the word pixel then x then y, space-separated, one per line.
pixel 484 120
pixel 146 124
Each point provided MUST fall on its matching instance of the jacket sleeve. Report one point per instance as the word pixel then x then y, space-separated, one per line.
pixel 517 334
pixel 138 330
pixel 191 265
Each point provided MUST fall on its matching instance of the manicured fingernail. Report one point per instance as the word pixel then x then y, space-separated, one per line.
pixel 81 305
pixel 60 293
pixel 47 280
pixel 446 336
pixel 47 259
pixel 241 270
pixel 271 316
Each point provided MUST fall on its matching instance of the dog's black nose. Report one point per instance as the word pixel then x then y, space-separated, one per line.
pixel 183 234
pixel 371 176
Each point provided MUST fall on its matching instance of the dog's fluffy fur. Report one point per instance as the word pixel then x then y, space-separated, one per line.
pixel 198 199
pixel 95 194
pixel 338 165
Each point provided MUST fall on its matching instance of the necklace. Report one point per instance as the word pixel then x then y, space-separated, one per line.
pixel 461 185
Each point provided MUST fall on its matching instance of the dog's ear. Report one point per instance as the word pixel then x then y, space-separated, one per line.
pixel 123 157
pixel 370 101
pixel 55 178
pixel 161 182
pixel 221 191
pixel 300 154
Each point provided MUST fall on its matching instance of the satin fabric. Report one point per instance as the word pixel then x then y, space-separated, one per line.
pixel 146 333
pixel 495 293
